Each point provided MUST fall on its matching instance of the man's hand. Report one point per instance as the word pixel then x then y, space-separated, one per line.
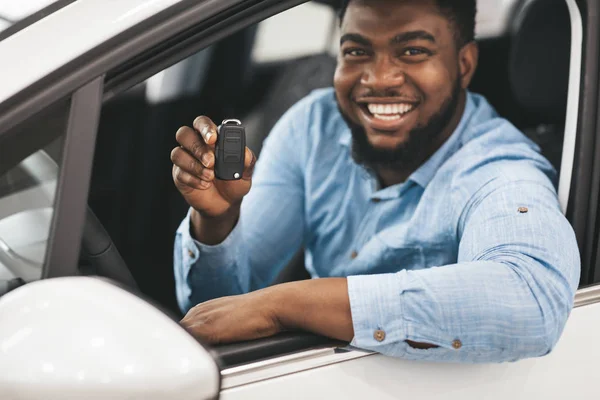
pixel 215 202
pixel 233 318
pixel 320 306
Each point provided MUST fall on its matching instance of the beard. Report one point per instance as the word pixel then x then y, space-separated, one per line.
pixel 414 150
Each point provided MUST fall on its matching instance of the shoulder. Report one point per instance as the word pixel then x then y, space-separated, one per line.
pixel 494 153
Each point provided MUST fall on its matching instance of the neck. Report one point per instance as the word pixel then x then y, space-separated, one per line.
pixel 395 174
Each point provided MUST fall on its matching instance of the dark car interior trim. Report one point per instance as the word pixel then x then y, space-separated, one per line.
pixel 284 343
pixel 585 184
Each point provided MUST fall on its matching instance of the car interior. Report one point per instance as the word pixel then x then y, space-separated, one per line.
pixel 523 72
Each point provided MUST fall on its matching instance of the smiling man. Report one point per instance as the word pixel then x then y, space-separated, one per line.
pixel 432 223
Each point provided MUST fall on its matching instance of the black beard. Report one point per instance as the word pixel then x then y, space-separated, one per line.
pixel 410 154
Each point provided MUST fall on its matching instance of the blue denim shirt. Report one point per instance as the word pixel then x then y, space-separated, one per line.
pixel 471 253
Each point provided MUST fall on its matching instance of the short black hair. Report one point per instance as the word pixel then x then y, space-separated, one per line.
pixel 461 13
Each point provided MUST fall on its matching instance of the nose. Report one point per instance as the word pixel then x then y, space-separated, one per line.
pixel 383 74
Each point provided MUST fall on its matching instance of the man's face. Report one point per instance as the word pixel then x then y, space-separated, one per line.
pixel 399 77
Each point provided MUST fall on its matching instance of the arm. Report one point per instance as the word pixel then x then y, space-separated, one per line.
pixel 268 232
pixel 507 298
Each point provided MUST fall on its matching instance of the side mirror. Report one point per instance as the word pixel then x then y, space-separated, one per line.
pixel 85 338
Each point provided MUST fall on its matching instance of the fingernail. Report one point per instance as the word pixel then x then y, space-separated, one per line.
pixel 208 135
pixel 205 160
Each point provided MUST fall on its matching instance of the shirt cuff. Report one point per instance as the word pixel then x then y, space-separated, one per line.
pixel 383 322
pixel 218 255
pixel 376 308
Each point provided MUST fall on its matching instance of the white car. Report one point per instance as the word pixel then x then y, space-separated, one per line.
pixel 91 93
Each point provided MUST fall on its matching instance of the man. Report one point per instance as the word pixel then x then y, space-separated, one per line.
pixel 433 223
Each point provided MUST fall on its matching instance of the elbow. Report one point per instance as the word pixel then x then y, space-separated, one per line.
pixel 553 318
pixel 555 325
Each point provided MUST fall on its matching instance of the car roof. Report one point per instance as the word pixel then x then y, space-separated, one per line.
pixel 70 32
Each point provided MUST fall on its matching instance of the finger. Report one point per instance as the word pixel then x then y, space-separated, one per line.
pixel 249 162
pixel 184 160
pixel 193 143
pixel 186 179
pixel 207 129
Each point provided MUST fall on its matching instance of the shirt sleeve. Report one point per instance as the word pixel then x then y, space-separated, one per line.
pixel 270 229
pixel 507 297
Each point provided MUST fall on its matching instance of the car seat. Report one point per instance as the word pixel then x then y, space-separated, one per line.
pixel 539 73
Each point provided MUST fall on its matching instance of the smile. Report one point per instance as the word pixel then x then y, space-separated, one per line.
pixel 387 115
pixel 389 112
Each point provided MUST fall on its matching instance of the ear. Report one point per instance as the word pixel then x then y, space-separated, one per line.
pixel 468 58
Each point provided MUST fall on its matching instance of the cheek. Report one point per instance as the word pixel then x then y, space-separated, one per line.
pixel 344 81
pixel 435 83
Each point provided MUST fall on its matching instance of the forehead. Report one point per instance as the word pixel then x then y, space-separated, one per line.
pixel 375 18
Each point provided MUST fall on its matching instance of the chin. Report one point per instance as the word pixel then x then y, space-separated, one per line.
pixel 387 140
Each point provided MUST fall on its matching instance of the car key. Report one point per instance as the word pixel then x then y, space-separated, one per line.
pixel 230 150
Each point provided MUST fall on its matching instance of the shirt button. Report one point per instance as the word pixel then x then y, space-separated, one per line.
pixel 191 253
pixel 379 335
pixel 522 210
pixel 353 255
pixel 457 344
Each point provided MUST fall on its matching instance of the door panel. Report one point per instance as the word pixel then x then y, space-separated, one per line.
pixel 566 373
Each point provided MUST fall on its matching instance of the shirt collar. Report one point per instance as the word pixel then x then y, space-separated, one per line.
pixel 425 173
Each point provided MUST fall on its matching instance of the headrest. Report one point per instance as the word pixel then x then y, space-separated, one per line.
pixel 540 58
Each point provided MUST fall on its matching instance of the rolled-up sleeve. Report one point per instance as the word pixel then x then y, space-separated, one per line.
pixel 508 296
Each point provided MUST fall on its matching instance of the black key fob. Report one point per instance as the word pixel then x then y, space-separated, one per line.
pixel 230 150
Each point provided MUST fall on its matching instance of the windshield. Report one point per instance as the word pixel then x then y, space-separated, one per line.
pixel 17 15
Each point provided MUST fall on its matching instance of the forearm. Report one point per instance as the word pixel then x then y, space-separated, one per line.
pixel 320 306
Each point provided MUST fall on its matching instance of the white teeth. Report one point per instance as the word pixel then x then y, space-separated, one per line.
pixel 389 109
pixel 387 117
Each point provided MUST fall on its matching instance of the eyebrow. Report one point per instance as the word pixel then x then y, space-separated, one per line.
pixel 413 35
pixel 400 38
pixel 355 37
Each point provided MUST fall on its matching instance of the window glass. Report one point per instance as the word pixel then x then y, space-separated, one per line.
pixel 28 180
pixel 278 37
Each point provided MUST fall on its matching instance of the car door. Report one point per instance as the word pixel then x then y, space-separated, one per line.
pixel 155 35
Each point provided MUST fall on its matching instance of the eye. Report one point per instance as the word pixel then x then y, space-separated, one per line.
pixel 354 52
pixel 414 52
